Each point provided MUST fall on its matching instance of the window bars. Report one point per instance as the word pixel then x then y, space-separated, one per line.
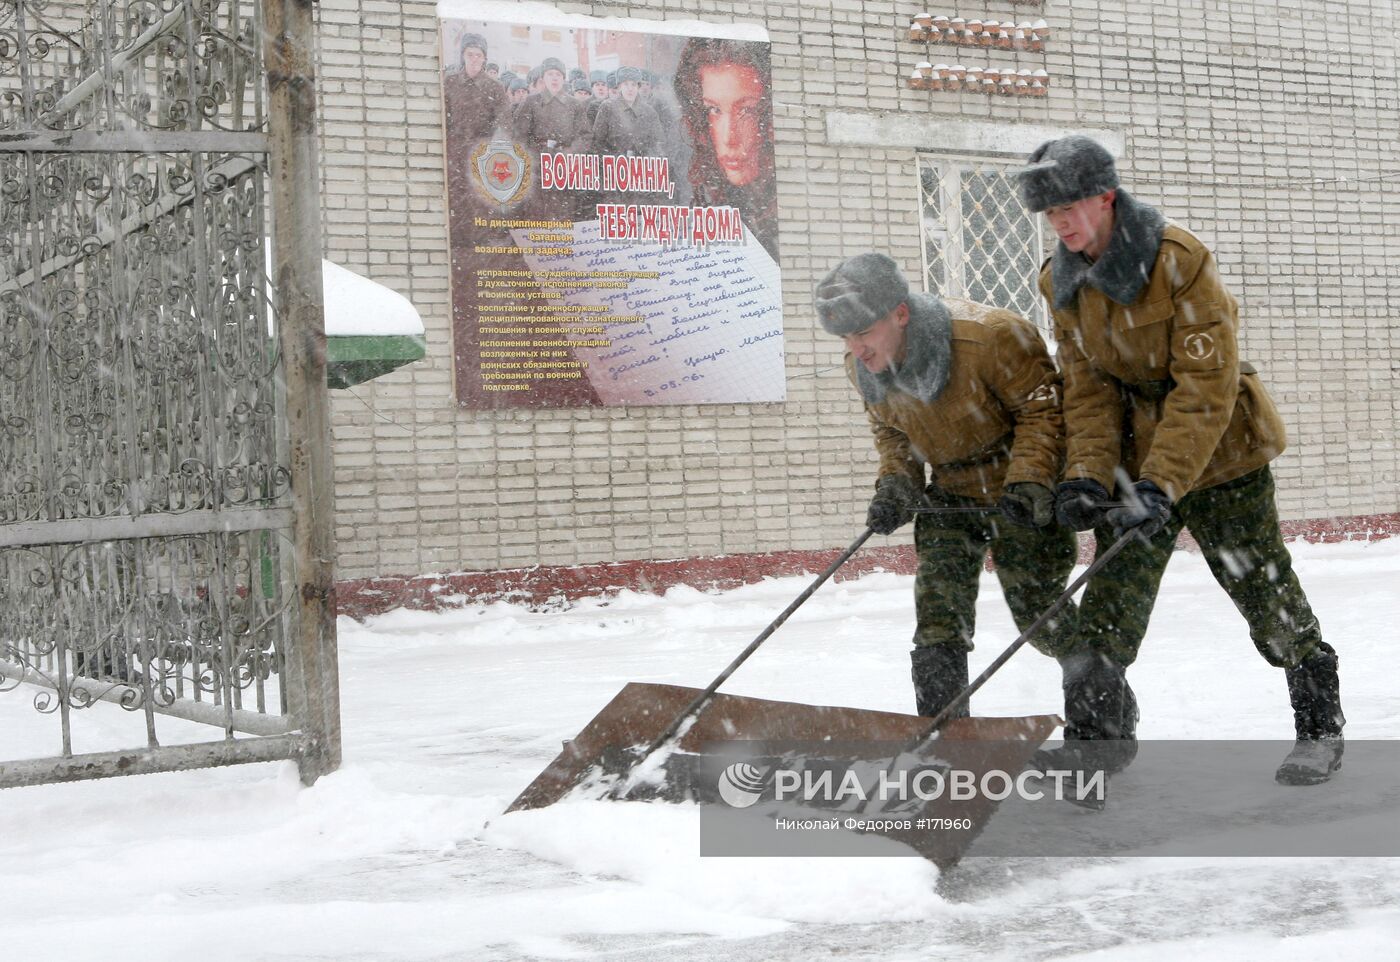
pixel 979 243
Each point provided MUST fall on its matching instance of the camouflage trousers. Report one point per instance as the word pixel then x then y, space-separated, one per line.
pixel 1032 565
pixel 1236 525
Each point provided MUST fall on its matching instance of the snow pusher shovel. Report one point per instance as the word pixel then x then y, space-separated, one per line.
pixel 623 740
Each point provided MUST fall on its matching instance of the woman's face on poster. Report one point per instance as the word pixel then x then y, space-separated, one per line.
pixel 734 97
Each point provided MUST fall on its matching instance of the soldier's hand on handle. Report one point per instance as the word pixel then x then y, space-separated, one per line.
pixel 1080 504
pixel 897 498
pixel 1028 504
pixel 1145 509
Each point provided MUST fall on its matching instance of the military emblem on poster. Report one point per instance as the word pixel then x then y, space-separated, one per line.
pixel 502 170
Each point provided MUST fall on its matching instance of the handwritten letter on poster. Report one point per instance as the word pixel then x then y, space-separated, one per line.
pixel 682 326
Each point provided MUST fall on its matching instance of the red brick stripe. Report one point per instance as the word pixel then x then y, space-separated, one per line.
pixel 560 584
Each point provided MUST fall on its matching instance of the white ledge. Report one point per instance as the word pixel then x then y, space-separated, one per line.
pixel 953 135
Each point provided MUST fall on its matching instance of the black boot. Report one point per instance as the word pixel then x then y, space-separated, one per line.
pixel 1315 691
pixel 1101 715
pixel 940 674
pixel 1099 702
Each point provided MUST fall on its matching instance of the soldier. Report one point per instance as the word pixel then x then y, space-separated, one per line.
pixel 476 103
pixel 493 71
pixel 598 80
pixel 627 124
pixel 968 392
pixel 551 120
pixel 579 88
pixel 519 92
pixel 1159 406
pixel 475 106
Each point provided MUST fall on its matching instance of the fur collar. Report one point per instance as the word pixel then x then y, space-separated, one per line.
pixel 928 354
pixel 1123 270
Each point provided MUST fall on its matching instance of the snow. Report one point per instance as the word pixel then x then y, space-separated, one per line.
pixel 655 846
pixel 403 853
pixel 357 306
pixel 503 11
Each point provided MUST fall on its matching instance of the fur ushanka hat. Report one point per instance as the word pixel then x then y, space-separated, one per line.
pixel 1062 171
pixel 858 292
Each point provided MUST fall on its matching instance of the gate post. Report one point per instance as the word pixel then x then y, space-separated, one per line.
pixel 296 247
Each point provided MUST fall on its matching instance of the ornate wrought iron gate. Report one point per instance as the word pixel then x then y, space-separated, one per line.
pixel 164 456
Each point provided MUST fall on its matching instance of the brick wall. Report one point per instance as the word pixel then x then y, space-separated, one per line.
pixel 1267 127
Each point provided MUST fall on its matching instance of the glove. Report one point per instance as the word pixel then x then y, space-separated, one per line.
pixel 1146 510
pixel 1028 504
pixel 897 497
pixel 1079 504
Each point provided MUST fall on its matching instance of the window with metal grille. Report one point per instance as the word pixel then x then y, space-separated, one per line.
pixel 979 243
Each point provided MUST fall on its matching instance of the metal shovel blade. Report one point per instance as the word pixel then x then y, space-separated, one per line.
pixel 640 712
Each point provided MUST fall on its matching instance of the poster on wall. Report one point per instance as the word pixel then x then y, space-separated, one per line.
pixel 612 209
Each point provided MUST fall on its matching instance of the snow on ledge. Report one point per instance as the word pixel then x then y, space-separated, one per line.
pixel 547 13
pixel 356 306
pixel 359 307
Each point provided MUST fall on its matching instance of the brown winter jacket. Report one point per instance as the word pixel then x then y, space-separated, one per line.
pixel 1157 386
pixel 996 421
pixel 546 122
pixel 474 107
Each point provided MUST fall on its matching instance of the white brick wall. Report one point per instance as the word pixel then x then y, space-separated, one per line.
pixel 1255 123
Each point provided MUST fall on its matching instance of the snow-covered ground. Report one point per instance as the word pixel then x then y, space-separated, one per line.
pixel 403 853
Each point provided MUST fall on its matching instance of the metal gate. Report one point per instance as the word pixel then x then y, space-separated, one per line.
pixel 164 455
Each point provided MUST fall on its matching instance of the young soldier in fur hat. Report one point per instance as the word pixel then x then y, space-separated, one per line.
pixel 598 80
pixel 968 393
pixel 627 124
pixel 519 93
pixel 551 119
pixel 1159 406
pixel 475 106
pixel 476 103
